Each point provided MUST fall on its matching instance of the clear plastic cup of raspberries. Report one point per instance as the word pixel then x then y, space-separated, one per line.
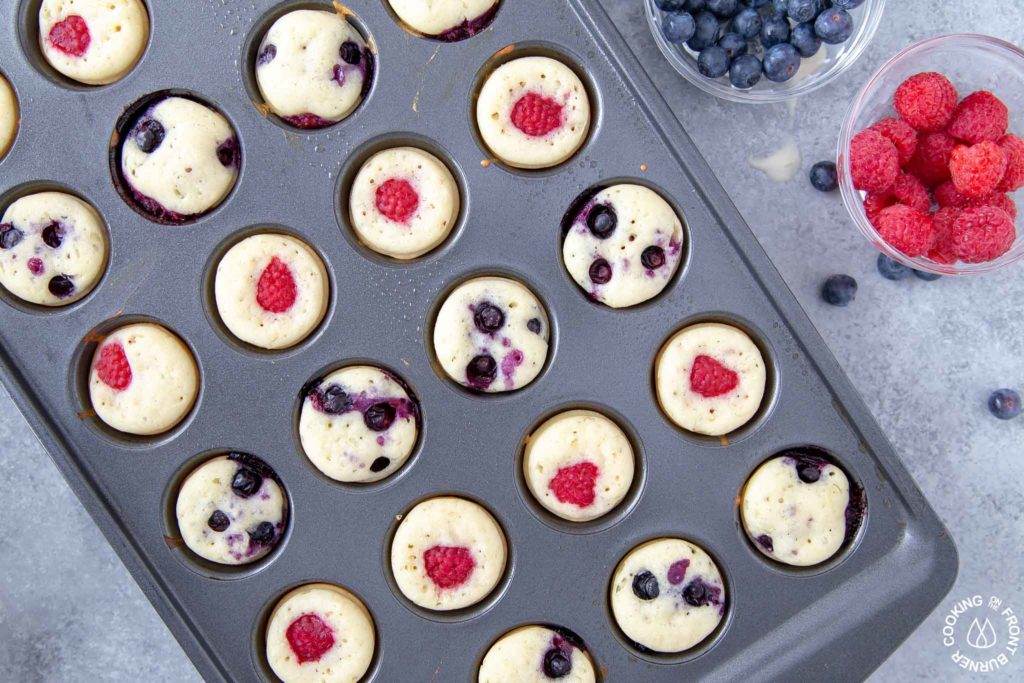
pixel 931 155
pixel 762 50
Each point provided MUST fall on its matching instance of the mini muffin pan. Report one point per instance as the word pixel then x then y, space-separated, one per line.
pixel 837 620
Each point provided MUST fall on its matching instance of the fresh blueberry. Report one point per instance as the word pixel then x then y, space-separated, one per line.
pixel 218 521
pixel 713 62
pixel 53 235
pixel 706 33
pixel 267 54
pixel 755 3
pixel 781 62
pixel 488 318
pixel 263 533
pixel 379 416
pixel 670 5
pixel 824 177
pixel 533 325
pixel 380 464
pixel 9 236
pixel 482 370
pixel 693 6
pixel 246 481
pixel 734 45
pixel 350 52
pixel 556 663
pixel 891 269
pixel 61 286
pixel 765 541
pixel 652 258
pixel 600 271
pixel 678 27
pixel 834 26
pixel 745 71
pixel 1004 404
pixel 780 6
pixel 847 4
pixel 839 290
pixel 747 23
pixel 808 472
pixel 645 585
pixel 149 134
pixel 334 400
pixel 602 221
pixel 697 593
pixel 926 276
pixel 723 8
pixel 805 40
pixel 802 10
pixel 774 30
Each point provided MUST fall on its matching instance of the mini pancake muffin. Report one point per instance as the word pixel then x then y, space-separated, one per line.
pixel 320 633
pixel 403 202
pixel 799 508
pixel 537 654
pixel 710 378
pixel 93 41
pixel 313 68
pixel 447 20
pixel 271 290
pixel 180 160
pixel 448 553
pixel 358 424
pixel 624 245
pixel 10 116
pixel 53 248
pixel 491 335
pixel 143 379
pixel 579 465
pixel 533 112
pixel 232 509
pixel 667 595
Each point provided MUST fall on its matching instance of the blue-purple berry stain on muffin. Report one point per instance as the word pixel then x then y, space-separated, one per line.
pixel 446 20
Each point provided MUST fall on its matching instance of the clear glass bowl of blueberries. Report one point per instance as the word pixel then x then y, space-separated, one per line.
pixel 762 50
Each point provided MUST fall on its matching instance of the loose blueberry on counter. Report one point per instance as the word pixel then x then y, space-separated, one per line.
pixel 774 30
pixel 747 23
pixel 556 663
pixel 53 235
pixel 734 45
pixel 926 276
pixel 706 33
pixel 267 55
pixel 602 221
pixel 723 8
pixel 61 286
pixel 745 72
pixel 781 62
pixel 713 62
pixel 645 585
pixel 839 290
pixel 488 318
pixel 380 464
pixel 379 416
pixel 652 258
pixel 149 134
pixel 891 269
pixel 9 236
pixel 481 371
pixel 805 40
pixel 802 10
pixel 246 482
pixel 1005 404
pixel 678 27
pixel 824 177
pixel 263 533
pixel 600 271
pixel 670 5
pixel 834 26
pixel 218 521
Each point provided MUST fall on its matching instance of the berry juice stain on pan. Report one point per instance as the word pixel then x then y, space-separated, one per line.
pixel 382 314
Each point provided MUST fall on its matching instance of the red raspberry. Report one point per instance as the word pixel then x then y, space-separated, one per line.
pixel 906 229
pixel 930 162
pixel 575 484
pixel 900 133
pixel 874 203
pixel 999 201
pixel 276 291
pixel 306 121
pixel 70 36
pixel 942 247
pixel 982 233
pixel 397 200
pixel 926 101
pixel 980 116
pixel 946 194
pixel 36 266
pixel 977 170
pixel 309 637
pixel 448 566
pixel 709 378
pixel 874 161
pixel 910 191
pixel 1013 148
pixel 113 368
pixel 537 115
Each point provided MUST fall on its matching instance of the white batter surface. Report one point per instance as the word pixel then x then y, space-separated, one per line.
pixel 10 116
pixel 441 18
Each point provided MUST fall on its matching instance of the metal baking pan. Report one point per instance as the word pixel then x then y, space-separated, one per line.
pixel 835 622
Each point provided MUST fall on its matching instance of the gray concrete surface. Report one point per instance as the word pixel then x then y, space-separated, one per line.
pixel 924 356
